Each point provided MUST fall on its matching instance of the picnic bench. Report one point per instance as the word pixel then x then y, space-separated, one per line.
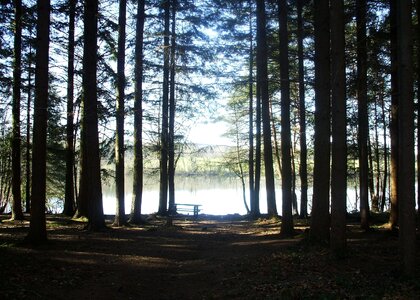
pixel 187 208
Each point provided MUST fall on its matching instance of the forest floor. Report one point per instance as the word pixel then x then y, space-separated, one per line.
pixel 210 258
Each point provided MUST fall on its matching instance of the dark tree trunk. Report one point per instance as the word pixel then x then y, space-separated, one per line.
pixel 375 198
pixel 303 169
pixel 17 213
pixel 138 118
pixel 418 103
pixel 163 194
pixel 37 228
pixel 406 172
pixel 90 173
pixel 256 213
pixel 286 143
pixel 262 81
pixel 172 107
pixel 339 135
pixel 393 128
pixel 251 116
pixel 363 123
pixel 385 178
pixel 69 201
pixel 28 139
pixel 320 224
pixel 120 218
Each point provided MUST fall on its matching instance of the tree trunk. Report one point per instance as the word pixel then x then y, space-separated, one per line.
pixel 120 218
pixel 251 116
pixel 406 172
pixel 418 103
pixel 163 194
pixel 135 217
pixel 172 109
pixel 90 173
pixel 320 224
pixel 339 134
pixel 28 139
pixel 393 128
pixel 303 169
pixel 69 189
pixel 256 213
pixel 262 81
pixel 286 143
pixel 37 228
pixel 385 178
pixel 17 213
pixel 363 122
pixel 375 199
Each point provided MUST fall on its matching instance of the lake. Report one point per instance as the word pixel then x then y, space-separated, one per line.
pixel 216 195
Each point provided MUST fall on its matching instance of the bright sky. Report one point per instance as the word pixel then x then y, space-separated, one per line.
pixel 209 134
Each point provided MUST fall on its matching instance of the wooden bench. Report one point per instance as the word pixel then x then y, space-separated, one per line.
pixel 187 208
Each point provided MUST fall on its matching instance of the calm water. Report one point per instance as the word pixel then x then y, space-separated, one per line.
pixel 217 196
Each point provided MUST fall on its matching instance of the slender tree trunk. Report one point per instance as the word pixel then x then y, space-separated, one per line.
pixel 320 224
pixel 172 109
pixel 371 184
pixel 339 134
pixel 406 172
pixel 17 212
pixel 385 177
pixel 90 169
pixel 37 228
pixel 163 194
pixel 363 122
pixel 286 143
pixel 138 118
pixel 295 210
pixel 393 128
pixel 251 116
pixel 262 80
pixel 69 201
pixel 120 218
pixel 28 139
pixel 303 169
pixel 256 212
pixel 275 140
pixel 418 103
pixel 375 199
pixel 238 157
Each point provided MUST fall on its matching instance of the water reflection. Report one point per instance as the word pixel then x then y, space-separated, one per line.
pixel 217 195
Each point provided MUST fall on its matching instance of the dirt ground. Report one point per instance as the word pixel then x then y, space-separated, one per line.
pixel 210 258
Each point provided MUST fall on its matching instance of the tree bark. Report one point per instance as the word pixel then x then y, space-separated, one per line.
pixel 339 134
pixel 286 143
pixel 120 218
pixel 262 81
pixel 69 200
pixel 320 225
pixel 363 122
pixel 28 139
pixel 251 116
pixel 172 110
pixel 138 118
pixel 393 128
pixel 418 103
pixel 406 172
pixel 90 173
pixel 303 169
pixel 163 194
pixel 17 212
pixel 37 228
